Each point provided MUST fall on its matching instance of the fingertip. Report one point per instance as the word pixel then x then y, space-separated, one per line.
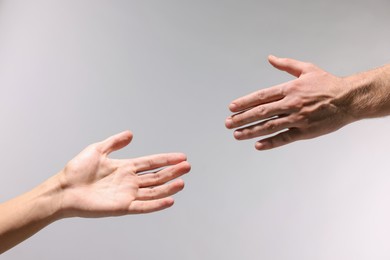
pixel 183 184
pixel 186 166
pixel 180 184
pixel 233 107
pixel 291 66
pixel 116 142
pixel 237 135
pixel 182 156
pixel 123 137
pixel 168 202
pixel 273 60
pixel 228 123
pixel 260 146
pixel 272 57
pixel 127 134
pixel 176 157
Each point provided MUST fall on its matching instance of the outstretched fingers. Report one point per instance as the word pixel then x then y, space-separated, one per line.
pixel 116 142
pixel 291 66
pixel 163 176
pixel 156 161
pixel 256 114
pixel 156 198
pixel 153 194
pixel 263 128
pixel 141 207
pixel 275 93
pixel 283 138
pixel 161 191
pixel 256 98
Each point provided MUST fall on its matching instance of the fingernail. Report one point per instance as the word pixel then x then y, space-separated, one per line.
pixel 228 122
pixel 259 145
pixel 237 134
pixel 232 106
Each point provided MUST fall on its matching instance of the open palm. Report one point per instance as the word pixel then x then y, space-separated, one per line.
pixel 97 186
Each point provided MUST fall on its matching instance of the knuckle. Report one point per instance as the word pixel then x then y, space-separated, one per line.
pixel 285 137
pixel 248 133
pixel 260 111
pixel 240 118
pixel 303 122
pixel 309 66
pixel 260 95
pixel 152 193
pixel 270 126
pixel 305 114
pixel 294 103
pixel 157 177
pixel 236 119
pixel 292 119
pixel 149 162
pixel 294 86
pixel 291 88
pixel 297 103
pixel 96 147
pixel 283 90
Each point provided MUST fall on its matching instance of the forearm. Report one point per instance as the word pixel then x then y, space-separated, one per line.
pixel 25 215
pixel 369 94
pixel 93 185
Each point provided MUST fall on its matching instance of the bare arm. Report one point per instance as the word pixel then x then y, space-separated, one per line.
pixel 93 185
pixel 314 104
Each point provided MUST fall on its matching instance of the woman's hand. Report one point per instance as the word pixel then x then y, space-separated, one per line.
pixel 95 185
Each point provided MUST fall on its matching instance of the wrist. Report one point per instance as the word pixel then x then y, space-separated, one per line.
pixel 64 204
pixel 368 93
pixel 359 90
pixel 49 197
pixel 28 213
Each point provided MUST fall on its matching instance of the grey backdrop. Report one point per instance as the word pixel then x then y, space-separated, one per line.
pixel 74 72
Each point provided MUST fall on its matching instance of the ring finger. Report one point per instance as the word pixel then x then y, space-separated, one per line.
pixel 255 114
pixel 159 192
pixel 267 127
pixel 164 175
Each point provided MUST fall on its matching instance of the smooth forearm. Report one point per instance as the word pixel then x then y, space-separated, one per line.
pixel 368 94
pixel 25 215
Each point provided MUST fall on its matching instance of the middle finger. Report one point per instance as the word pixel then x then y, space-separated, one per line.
pixel 164 175
pixel 255 114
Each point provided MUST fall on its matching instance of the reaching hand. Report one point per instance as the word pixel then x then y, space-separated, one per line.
pixel 93 185
pixel 314 104
pixel 97 186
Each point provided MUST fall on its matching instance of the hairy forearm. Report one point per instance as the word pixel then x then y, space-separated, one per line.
pixel 25 215
pixel 368 94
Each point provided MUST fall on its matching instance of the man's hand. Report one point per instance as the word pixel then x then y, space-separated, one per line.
pixel 95 185
pixel 314 104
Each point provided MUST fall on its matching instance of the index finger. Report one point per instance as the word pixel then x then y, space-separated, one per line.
pixel 156 161
pixel 256 98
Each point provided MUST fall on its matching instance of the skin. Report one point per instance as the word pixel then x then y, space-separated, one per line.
pixel 314 104
pixel 93 185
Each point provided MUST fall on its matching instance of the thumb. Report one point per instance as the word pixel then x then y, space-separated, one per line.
pixel 116 142
pixel 293 67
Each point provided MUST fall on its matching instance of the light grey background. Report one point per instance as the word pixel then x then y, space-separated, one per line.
pixel 74 72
